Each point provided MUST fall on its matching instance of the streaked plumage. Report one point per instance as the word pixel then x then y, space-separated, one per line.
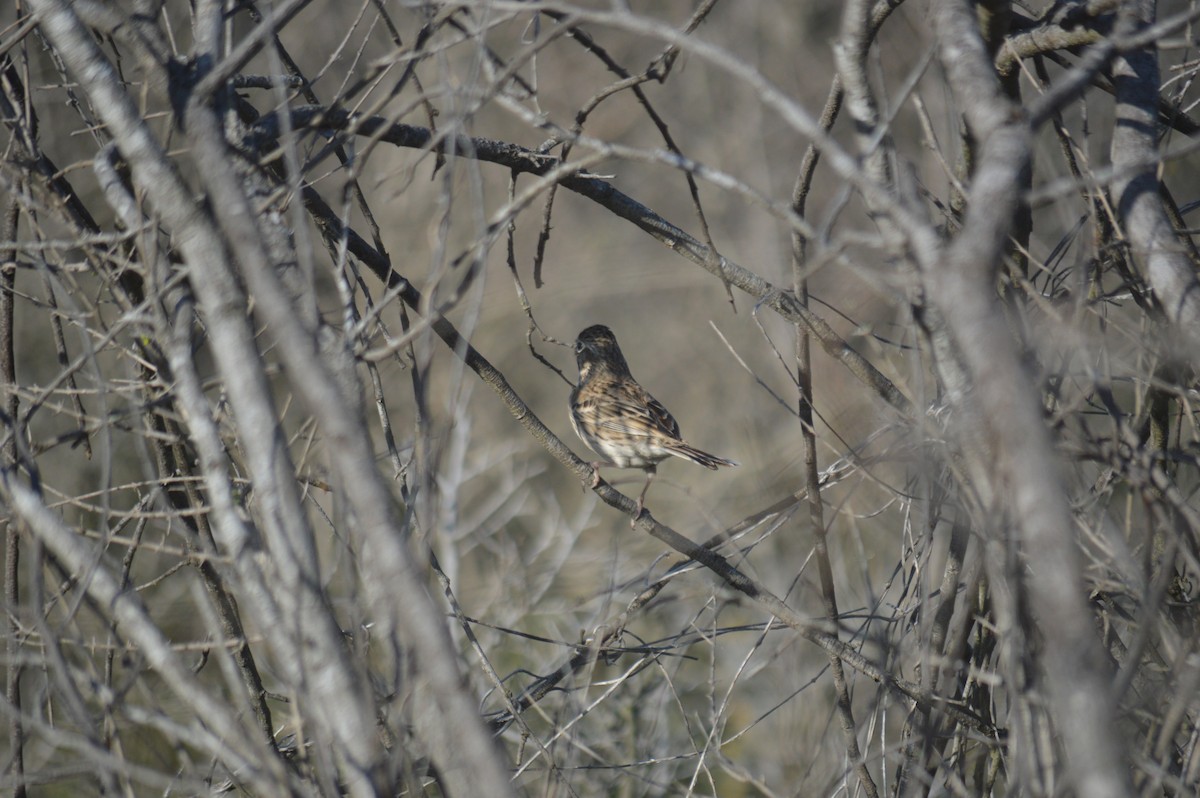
pixel 618 419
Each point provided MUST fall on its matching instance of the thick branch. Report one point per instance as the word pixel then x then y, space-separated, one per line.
pixel 313 653
pixel 1136 191
pixel 1013 439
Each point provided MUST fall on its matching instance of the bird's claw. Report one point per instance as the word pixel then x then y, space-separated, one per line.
pixel 637 514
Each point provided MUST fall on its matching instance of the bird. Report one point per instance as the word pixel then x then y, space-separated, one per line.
pixel 619 420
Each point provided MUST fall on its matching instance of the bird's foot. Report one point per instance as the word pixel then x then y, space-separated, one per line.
pixel 641 508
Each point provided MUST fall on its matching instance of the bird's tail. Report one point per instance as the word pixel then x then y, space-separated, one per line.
pixel 705 459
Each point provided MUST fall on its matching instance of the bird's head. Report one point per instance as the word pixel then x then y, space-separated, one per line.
pixel 596 348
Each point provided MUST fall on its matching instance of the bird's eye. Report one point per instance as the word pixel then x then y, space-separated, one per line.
pixel 578 347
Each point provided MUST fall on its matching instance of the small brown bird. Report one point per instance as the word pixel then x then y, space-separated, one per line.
pixel 618 419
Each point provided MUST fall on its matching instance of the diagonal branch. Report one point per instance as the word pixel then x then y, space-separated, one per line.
pixel 328 222
pixel 522 160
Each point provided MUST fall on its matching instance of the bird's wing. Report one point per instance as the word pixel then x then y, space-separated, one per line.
pixel 636 412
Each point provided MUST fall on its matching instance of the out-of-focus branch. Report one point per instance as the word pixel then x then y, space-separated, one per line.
pixel 854 42
pixel 394 585
pixel 8 459
pixel 1090 69
pixel 1167 265
pixel 213 460
pixel 215 728
pixel 313 651
pixel 1005 411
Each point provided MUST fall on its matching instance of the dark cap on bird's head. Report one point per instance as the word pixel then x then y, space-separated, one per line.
pixel 598 345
